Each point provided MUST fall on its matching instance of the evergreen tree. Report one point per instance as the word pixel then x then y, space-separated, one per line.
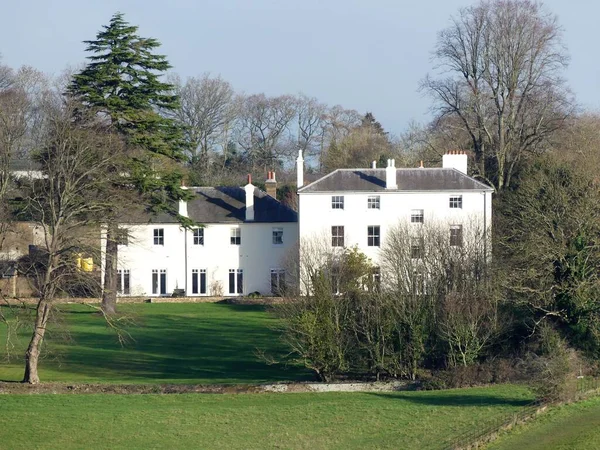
pixel 121 84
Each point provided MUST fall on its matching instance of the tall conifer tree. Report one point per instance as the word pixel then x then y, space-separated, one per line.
pixel 122 85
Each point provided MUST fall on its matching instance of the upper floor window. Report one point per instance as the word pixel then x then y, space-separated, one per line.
pixel 199 236
pixel 456 235
pixel 337 202
pixel 337 236
pixel 159 236
pixel 416 216
pixel 373 202
pixel 277 236
pixel 236 236
pixel 456 201
pixel 373 236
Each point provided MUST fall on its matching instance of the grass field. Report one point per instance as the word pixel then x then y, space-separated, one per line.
pixel 317 421
pixel 170 343
pixel 573 427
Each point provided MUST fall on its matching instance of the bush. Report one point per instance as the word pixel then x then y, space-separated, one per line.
pixel 552 371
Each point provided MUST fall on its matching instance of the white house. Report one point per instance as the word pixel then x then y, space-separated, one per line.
pixel 357 207
pixel 240 249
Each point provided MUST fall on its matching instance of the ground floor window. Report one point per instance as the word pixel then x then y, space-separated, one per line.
pixel 123 282
pixel 198 281
pixel 278 282
pixel 159 281
pixel 236 281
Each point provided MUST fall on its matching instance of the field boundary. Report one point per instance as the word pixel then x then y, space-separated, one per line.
pixel 488 432
pixel 86 388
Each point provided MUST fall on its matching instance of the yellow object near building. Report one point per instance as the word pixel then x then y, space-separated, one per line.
pixel 87 264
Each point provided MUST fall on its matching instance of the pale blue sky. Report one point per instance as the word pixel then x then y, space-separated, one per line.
pixel 367 55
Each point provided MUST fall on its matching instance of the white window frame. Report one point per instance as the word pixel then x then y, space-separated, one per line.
pixel 238 288
pixel 277 235
pixel 456 237
pixel 158 235
pixel 417 216
pixel 416 248
pixel 123 282
pixel 374 202
pixel 198 274
pixel 456 202
pixel 337 202
pixel 374 236
pixel 235 236
pixel 335 238
pixel 279 276
pixel 198 235
pixel 159 288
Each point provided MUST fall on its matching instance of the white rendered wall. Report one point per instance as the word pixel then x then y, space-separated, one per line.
pixel 256 256
pixel 316 216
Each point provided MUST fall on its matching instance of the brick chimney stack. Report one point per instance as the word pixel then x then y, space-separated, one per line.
pixel 271 184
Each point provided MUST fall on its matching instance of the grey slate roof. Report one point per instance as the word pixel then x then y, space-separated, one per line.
pixel 223 205
pixel 420 179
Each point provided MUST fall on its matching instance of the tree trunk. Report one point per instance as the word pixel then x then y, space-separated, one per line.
pixel 33 350
pixel 109 293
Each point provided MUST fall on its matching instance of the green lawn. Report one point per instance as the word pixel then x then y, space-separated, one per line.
pixel 573 427
pixel 298 421
pixel 170 343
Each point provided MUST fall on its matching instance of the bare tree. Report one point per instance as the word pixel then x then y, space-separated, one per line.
pixel 504 59
pixel 65 204
pixel 262 126
pixel 310 115
pixel 206 110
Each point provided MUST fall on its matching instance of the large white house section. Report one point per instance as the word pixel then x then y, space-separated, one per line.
pixel 357 207
pixel 241 247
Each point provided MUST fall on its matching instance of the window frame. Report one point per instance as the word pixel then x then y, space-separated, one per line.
pixel 198 236
pixel 416 248
pixel 374 202
pixel 124 281
pixel 159 283
pixel 237 282
pixel 373 235
pixel 199 284
pixel 417 216
pixel 235 236
pixel 337 202
pixel 277 239
pixel 456 202
pixel 158 235
pixel 456 235
pixel 335 237
pixel 279 287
